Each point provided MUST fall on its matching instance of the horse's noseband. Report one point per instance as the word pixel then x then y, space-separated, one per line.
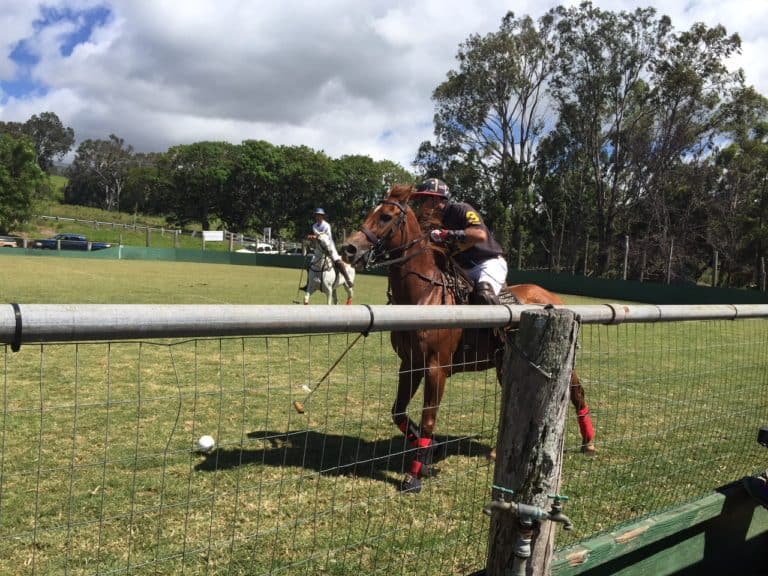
pixel 378 249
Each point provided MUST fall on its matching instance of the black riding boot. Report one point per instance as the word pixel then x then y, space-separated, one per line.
pixel 343 269
pixel 484 294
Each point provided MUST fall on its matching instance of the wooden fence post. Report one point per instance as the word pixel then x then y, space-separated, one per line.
pixel 626 254
pixel 669 260
pixel 535 394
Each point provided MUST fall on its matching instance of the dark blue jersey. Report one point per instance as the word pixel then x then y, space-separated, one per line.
pixel 460 216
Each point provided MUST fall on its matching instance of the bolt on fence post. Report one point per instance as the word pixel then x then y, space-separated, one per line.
pixel 535 392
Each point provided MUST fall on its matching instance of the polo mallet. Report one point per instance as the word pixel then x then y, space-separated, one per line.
pixel 298 288
pixel 299 406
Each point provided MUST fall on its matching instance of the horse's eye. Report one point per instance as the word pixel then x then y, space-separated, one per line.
pixel 385 218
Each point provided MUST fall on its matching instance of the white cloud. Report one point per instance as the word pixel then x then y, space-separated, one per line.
pixel 340 76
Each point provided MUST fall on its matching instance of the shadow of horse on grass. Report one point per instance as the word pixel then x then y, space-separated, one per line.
pixel 335 455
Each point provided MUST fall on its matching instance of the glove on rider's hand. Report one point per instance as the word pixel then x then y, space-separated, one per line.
pixel 440 236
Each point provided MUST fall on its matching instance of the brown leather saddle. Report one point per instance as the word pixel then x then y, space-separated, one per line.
pixel 462 285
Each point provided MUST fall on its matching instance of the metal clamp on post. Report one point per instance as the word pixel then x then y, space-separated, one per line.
pixel 16 343
pixel 531 512
pixel 527 517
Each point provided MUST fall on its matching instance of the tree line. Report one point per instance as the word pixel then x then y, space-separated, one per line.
pixel 586 127
pixel 242 188
pixel 574 134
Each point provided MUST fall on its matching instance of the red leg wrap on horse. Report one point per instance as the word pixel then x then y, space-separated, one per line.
pixel 411 431
pixel 421 456
pixel 585 425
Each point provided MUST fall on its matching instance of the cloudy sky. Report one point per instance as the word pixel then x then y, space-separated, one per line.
pixel 342 76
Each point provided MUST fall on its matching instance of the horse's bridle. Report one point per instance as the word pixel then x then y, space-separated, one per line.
pixel 378 255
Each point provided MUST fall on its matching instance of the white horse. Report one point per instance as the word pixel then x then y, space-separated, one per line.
pixel 323 276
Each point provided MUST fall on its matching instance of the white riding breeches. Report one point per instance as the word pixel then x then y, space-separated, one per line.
pixel 333 253
pixel 493 271
pixel 329 246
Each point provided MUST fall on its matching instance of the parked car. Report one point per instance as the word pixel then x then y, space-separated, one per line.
pixel 8 242
pixel 69 242
pixel 295 252
pixel 258 248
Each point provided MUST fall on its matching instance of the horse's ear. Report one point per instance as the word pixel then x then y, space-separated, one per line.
pixel 401 192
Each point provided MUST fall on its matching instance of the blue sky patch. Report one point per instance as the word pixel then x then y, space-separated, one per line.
pixel 23 84
pixel 85 21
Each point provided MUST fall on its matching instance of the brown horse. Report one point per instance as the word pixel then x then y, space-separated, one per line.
pixel 391 236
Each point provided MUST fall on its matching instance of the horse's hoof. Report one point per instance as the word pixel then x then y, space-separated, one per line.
pixel 410 484
pixel 588 448
pixel 492 455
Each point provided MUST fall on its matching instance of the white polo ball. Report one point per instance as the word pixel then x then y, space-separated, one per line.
pixel 206 443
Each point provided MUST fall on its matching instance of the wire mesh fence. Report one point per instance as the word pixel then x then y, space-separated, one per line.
pixel 676 406
pixel 100 472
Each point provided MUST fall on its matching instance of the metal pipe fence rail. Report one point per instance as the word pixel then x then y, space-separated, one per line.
pixel 102 407
pixel 82 322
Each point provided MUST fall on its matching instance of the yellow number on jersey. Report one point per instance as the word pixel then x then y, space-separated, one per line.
pixel 472 217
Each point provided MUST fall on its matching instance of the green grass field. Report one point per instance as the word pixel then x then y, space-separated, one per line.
pixel 53 280
pixel 98 472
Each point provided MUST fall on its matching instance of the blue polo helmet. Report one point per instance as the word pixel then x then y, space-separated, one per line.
pixel 319 211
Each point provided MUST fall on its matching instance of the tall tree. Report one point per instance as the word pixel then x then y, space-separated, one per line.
pixel 198 174
pixel 599 89
pixel 51 138
pixel 362 182
pixel 98 174
pixel 307 179
pixel 639 103
pixel 738 226
pixel 689 101
pixel 146 189
pixel 247 198
pixel 20 176
pixel 488 119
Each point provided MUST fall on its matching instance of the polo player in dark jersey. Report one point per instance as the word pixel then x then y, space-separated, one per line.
pixel 463 229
